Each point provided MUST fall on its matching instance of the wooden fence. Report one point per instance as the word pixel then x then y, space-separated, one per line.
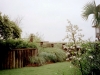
pixel 16 58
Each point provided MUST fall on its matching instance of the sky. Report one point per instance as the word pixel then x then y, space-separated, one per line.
pixel 48 18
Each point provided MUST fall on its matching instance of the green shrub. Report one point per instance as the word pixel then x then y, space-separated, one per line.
pixel 52 57
pixel 60 56
pixel 15 43
pixel 26 45
pixel 49 57
pixel 44 55
pixel 89 63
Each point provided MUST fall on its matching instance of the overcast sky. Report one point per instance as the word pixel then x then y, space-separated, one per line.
pixel 48 17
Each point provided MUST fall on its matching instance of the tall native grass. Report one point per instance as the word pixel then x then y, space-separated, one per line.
pixel 49 55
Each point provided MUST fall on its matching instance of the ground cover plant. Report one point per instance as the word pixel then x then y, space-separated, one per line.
pixel 61 68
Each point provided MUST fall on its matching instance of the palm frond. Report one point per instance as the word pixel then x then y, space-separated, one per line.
pixel 88 9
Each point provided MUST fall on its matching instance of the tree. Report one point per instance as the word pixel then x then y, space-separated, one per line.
pixel 18 20
pixel 8 28
pixel 91 8
pixel 73 34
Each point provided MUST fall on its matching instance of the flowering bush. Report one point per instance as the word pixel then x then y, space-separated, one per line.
pixel 89 61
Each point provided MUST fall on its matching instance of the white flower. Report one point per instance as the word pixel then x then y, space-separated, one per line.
pixel 91 57
pixel 75 52
pixel 89 49
pixel 74 57
pixel 78 47
pixel 67 53
pixel 73 47
pixel 71 57
pixel 67 59
pixel 78 58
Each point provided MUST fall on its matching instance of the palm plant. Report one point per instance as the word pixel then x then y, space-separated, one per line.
pixel 92 8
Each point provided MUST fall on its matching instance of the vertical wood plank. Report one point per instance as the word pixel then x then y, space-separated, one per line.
pixel 10 59
pixel 13 57
pixel 22 58
pixel 16 59
pixel 19 58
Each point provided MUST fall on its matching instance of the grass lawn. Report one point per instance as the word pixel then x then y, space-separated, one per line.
pixel 62 68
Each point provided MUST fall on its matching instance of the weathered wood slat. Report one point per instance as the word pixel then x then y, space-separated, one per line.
pixel 22 58
pixel 13 57
pixel 16 58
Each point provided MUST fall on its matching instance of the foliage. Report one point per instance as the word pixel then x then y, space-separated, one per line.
pixel 49 57
pixel 60 54
pixel 90 58
pixel 91 8
pixel 8 28
pixel 37 60
pixel 73 34
pixel 15 43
